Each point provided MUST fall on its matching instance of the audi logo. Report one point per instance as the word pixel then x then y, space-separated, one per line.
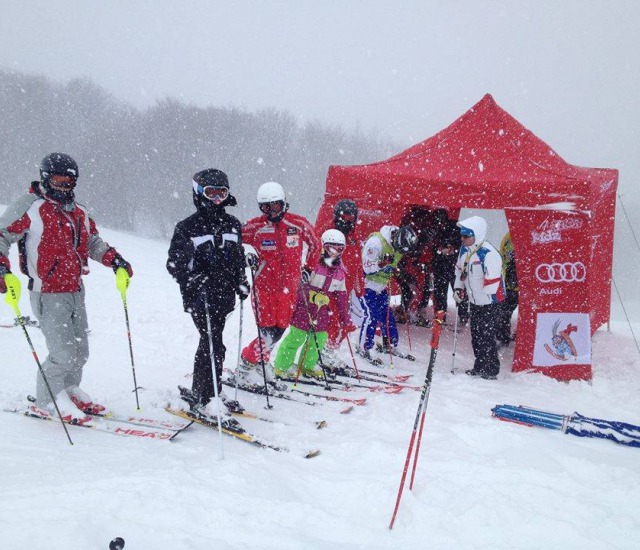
pixel 567 272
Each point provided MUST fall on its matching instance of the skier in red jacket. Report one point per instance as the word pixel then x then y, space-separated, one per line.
pixel 56 237
pixel 278 237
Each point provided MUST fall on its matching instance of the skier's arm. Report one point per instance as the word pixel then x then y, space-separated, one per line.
pixel 181 251
pixel 492 272
pixel 313 245
pixel 14 223
pixel 100 251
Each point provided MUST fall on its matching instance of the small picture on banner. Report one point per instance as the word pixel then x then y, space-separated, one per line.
pixel 562 339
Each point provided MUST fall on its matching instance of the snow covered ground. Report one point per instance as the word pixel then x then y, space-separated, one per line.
pixel 480 483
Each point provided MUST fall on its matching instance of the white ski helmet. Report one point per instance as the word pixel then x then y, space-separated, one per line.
pixel 333 236
pixel 270 192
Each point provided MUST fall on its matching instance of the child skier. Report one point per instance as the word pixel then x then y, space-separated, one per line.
pixel 312 313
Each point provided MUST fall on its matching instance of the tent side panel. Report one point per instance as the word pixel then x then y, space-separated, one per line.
pixel 552 250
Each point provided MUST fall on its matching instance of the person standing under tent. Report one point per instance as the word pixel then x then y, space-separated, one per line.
pixel 278 237
pixel 413 270
pixel 56 237
pixel 510 303
pixel 207 260
pixel 446 246
pixel 312 314
pixel 345 219
pixel 479 276
pixel 380 256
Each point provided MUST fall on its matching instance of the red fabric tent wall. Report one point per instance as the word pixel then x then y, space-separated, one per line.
pixel 559 215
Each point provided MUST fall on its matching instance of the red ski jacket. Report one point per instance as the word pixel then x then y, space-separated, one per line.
pixel 279 246
pixel 55 242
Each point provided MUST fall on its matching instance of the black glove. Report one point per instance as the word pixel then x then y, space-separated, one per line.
pixel 305 276
pixel 243 291
pixel 252 260
pixel 118 262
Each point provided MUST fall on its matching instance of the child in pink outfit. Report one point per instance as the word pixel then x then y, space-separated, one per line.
pixel 312 312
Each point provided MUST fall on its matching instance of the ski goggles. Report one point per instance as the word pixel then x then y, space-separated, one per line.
pixel 349 218
pixel 466 232
pixel 62 183
pixel 274 207
pixel 215 194
pixel 333 250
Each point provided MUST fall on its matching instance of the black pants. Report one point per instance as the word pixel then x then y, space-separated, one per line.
pixel 444 275
pixel 202 373
pixel 483 338
pixel 507 307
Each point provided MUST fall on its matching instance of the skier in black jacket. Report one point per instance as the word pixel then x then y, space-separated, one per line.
pixel 207 260
pixel 446 245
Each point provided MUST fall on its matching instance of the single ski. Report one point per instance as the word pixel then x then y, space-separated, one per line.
pixel 252 416
pixel 141 421
pixel 329 397
pixel 369 376
pixel 104 425
pixel 342 386
pixel 231 428
pixel 394 351
pixel 259 390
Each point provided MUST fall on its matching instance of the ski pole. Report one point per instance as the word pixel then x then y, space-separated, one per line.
pixel 353 358
pixel 235 375
pixel 12 298
pixel 214 368
pixel 389 324
pixel 455 343
pixel 255 308
pixel 315 340
pixel 122 283
pixel 420 415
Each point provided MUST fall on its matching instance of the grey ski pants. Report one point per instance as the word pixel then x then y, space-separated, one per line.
pixel 63 321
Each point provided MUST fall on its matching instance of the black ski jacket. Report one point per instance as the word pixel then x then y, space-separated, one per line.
pixel 207 260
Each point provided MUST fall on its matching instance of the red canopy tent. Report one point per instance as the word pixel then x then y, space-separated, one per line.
pixel 561 219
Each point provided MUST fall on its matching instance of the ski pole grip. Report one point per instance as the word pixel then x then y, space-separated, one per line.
pixel 14 290
pixel 122 281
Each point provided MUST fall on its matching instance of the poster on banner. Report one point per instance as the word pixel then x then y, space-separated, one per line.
pixel 562 339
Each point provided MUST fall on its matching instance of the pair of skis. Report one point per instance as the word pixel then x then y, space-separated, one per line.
pixel 229 427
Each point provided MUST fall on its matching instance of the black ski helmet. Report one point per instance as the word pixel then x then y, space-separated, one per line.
pixel 404 239
pixel 58 164
pixel 213 178
pixel 345 215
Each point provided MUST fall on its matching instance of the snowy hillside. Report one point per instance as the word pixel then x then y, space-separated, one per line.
pixel 480 483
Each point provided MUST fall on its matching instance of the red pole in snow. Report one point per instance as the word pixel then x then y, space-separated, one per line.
pixel 420 415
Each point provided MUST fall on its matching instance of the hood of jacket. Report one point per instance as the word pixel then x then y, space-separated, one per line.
pixel 387 231
pixel 478 225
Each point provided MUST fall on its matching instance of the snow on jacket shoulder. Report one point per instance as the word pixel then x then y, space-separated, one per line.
pixel 55 242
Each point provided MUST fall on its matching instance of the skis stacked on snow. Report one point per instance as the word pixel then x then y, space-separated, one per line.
pixel 115 427
pixel 341 385
pixel 259 390
pixel 574 424
pixel 230 427
pixel 235 409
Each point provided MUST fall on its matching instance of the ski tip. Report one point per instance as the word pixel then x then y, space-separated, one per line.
pixel 347 409
pixel 312 454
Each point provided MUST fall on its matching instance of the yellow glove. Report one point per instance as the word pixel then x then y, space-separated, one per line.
pixel 122 281
pixel 318 298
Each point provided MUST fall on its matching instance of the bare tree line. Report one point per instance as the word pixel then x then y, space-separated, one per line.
pixel 136 165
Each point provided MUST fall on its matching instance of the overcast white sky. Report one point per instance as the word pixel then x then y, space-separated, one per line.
pixel 567 69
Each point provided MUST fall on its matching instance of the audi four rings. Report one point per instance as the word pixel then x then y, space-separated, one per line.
pixel 568 272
